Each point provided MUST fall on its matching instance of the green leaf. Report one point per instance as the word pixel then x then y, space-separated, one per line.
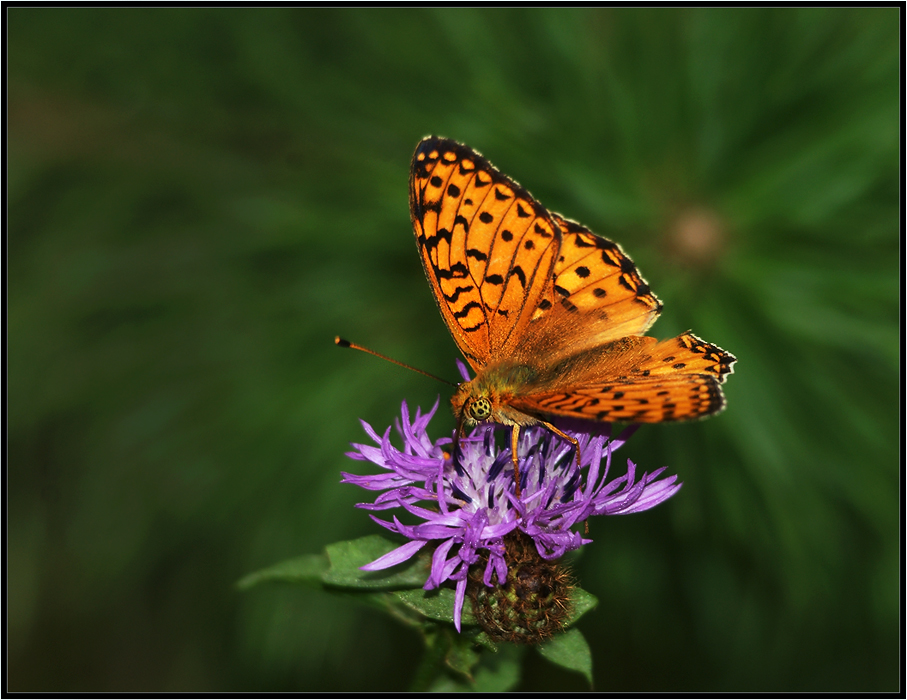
pixel 500 672
pixel 583 602
pixel 494 673
pixel 308 569
pixel 462 655
pixel 347 557
pixel 571 651
pixel 340 567
pixel 435 605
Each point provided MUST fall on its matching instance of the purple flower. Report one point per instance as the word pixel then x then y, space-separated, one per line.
pixel 471 505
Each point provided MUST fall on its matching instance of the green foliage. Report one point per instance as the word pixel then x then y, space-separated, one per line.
pixel 570 650
pixel 201 198
pixel 452 661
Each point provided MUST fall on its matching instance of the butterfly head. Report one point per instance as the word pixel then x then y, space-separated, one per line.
pixel 486 398
pixel 473 404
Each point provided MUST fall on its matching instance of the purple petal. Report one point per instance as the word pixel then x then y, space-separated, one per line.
pixel 394 557
pixel 371 431
pixel 654 494
pixel 438 560
pixel 458 601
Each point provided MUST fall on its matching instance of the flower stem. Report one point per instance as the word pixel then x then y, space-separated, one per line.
pixel 431 662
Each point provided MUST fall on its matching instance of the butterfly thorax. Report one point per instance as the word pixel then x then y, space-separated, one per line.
pixel 486 398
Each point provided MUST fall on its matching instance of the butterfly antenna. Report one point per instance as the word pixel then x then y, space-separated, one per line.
pixel 347 344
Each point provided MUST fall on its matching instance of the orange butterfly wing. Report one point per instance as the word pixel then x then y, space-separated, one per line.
pixel 487 247
pixel 676 379
pixel 599 297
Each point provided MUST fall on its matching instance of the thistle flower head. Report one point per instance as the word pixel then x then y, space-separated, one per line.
pixel 467 506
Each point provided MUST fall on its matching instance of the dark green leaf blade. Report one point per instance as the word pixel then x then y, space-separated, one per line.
pixel 571 651
pixel 308 569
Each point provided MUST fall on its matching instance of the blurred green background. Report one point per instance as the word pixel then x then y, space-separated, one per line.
pixel 199 200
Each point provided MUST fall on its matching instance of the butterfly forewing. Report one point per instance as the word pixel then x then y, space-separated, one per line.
pixel 487 247
pixel 593 276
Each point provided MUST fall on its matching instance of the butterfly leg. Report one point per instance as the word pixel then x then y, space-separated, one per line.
pixel 561 433
pixel 514 439
pixel 455 454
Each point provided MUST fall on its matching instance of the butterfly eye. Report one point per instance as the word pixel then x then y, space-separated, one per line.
pixel 479 409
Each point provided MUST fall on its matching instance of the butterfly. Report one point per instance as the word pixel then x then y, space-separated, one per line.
pixel 549 315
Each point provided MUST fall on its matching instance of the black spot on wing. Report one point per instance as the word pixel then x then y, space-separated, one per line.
pixel 457 270
pixel 424 207
pixel 476 254
pixel 457 292
pixel 464 312
pixel 442 234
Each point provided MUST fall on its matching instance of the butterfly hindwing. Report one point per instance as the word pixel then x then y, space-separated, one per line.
pixel 487 247
pixel 676 379
pixel 688 354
